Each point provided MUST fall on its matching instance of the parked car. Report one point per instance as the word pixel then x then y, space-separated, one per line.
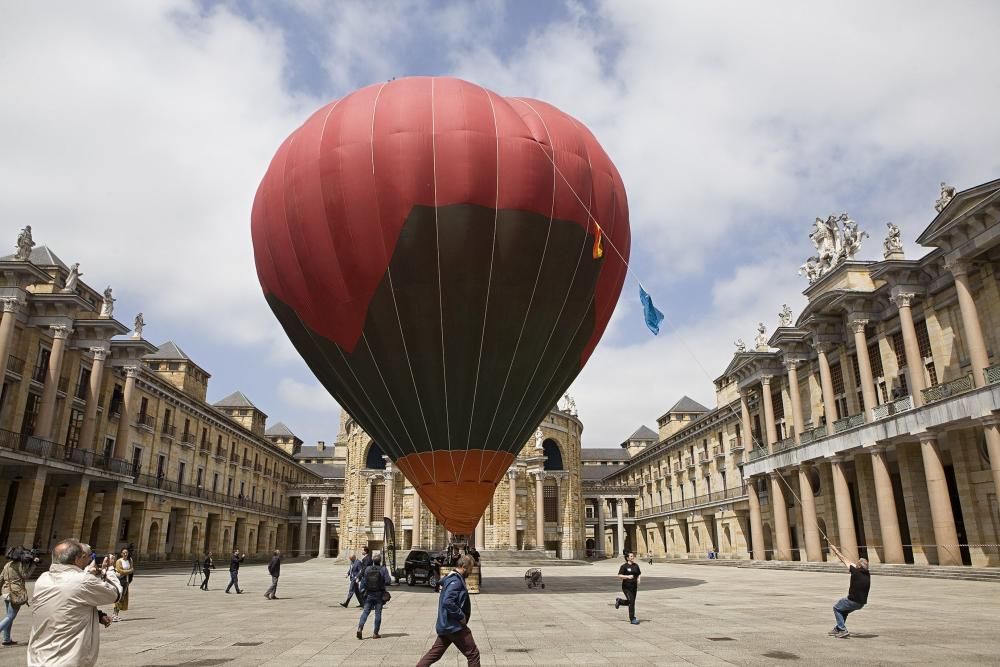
pixel 422 566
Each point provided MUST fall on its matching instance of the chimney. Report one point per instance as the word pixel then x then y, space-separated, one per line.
pixel 321 445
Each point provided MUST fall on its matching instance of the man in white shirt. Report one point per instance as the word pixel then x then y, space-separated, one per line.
pixel 65 618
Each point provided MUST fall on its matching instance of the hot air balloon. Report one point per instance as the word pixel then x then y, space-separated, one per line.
pixel 445 260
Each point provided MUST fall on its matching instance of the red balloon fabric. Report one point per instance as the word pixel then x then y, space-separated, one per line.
pixel 429 248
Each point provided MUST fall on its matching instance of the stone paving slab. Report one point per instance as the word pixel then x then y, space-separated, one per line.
pixel 689 616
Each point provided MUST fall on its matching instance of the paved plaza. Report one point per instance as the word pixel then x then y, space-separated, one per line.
pixel 689 614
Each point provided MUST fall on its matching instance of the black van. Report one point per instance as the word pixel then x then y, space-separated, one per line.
pixel 422 566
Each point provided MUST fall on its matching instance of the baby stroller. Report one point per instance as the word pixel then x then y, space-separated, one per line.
pixel 533 578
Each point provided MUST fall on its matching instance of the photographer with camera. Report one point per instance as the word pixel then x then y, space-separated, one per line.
pixel 65 616
pixel 234 570
pixel 20 564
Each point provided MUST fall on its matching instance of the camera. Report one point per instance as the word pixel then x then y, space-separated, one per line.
pixel 22 555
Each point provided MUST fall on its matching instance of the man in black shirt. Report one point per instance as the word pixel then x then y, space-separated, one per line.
pixel 857 595
pixel 629 574
pixel 274 569
pixel 234 570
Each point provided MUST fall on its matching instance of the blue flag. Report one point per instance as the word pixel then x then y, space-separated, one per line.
pixel 653 316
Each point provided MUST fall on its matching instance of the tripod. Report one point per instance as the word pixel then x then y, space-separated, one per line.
pixel 196 576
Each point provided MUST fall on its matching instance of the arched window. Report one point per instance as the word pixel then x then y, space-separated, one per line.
pixel 374 460
pixel 553 456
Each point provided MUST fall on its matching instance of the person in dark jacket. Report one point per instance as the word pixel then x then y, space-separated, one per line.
pixel 454 611
pixel 207 566
pixel 234 570
pixel 353 588
pixel 857 595
pixel 366 558
pixel 374 579
pixel 274 569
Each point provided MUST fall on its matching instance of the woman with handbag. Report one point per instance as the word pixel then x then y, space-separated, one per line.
pixel 15 573
pixel 125 569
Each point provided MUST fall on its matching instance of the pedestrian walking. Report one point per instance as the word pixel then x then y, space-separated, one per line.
pixel 629 574
pixel 857 594
pixel 234 570
pixel 366 558
pixel 65 616
pixel 454 612
pixel 353 588
pixel 274 569
pixel 125 569
pixel 207 566
pixel 374 580
pixel 20 564
pixel 649 557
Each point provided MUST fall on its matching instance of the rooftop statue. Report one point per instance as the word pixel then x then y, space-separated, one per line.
pixel 785 316
pixel 760 340
pixel 893 243
pixel 741 347
pixel 139 324
pixel 947 194
pixel 108 305
pixel 24 244
pixel 73 279
pixel 836 239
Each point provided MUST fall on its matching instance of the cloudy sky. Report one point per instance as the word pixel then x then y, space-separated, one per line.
pixel 133 136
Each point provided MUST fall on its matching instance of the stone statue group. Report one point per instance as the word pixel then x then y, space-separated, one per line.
pixel 836 239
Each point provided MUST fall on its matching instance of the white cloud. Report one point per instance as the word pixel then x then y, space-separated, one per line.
pixel 307 396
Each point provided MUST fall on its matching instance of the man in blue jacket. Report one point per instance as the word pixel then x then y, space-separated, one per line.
pixel 353 575
pixel 454 611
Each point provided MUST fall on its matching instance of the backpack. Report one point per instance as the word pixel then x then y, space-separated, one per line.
pixel 373 579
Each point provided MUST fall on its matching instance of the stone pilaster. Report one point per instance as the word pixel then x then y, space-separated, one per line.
pixel 864 367
pixel 974 341
pixel 93 394
pixel 11 307
pixel 914 362
pixel 125 414
pixel 46 411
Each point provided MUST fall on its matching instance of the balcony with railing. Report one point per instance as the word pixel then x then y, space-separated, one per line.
pixel 719 452
pixel 812 434
pixel 893 408
pixel 735 445
pixel 46 449
pixel 690 464
pixel 992 374
pixel 170 486
pixel 847 423
pixel 786 443
pixel 41 370
pixel 727 495
pixel 187 440
pixel 146 421
pixel 15 365
pixel 948 389
pixel 257 468
pixel 246 463
pixel 168 431
pixel 757 453
pixel 704 458
pixel 220 454
pixel 234 460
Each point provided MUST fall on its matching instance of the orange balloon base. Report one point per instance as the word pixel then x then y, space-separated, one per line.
pixel 456 486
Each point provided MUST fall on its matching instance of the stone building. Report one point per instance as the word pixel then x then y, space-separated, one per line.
pixel 111 439
pixel 872 421
pixel 536 506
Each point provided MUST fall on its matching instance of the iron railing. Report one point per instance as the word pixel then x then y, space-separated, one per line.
pixel 187 439
pixel 53 451
pixel 895 407
pixel 146 421
pixel 948 389
pixel 848 423
pixel 735 445
pixel 812 434
pixel 192 491
pixel 719 452
pixel 734 493
pixel 992 374
pixel 169 430
pixel 757 453
pixel 15 365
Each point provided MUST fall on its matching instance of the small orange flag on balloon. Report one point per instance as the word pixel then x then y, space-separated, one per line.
pixel 598 243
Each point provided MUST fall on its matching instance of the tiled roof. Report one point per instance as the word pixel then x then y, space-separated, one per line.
pixel 687 404
pixel 168 350
pixel 279 430
pixel 326 470
pixel 40 256
pixel 237 399
pixel 644 433
pixel 603 454
pixel 314 452
pixel 597 473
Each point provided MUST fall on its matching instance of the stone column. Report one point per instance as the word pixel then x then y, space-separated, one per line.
pixel 826 383
pixel 864 367
pixel 991 429
pixel 599 542
pixel 481 534
pixel 810 526
pixel 756 522
pixel 782 538
pixel 27 506
pixel 845 515
pixel 970 322
pixel 390 486
pixel 11 306
pixel 111 516
pixel 539 510
pixel 46 411
pixel 772 430
pixel 747 426
pixel 945 534
pixel 621 522
pixel 892 543
pixel 70 510
pixel 93 394
pixel 322 526
pixel 914 362
pixel 793 394
pixel 304 527
pixel 415 534
pixel 125 414
pixel 512 507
